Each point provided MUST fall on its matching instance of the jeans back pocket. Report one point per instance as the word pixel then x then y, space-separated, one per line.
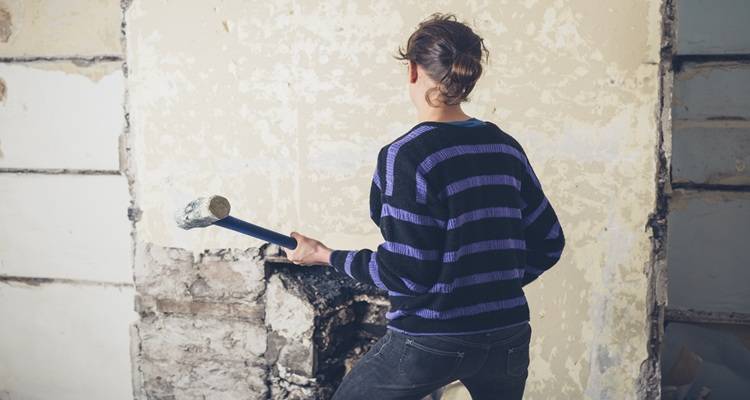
pixel 424 362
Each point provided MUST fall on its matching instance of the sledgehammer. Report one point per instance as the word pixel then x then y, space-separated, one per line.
pixel 214 210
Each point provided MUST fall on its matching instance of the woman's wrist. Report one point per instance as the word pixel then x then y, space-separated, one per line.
pixel 324 255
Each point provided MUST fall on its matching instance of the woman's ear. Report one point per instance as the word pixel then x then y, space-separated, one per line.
pixel 413 75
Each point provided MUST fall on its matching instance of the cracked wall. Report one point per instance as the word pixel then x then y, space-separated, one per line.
pixel 227 325
pixel 279 107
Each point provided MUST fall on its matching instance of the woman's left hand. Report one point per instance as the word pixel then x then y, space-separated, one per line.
pixel 308 251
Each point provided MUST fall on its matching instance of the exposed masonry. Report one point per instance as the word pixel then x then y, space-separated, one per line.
pixel 239 324
pixel 649 380
pixel 235 324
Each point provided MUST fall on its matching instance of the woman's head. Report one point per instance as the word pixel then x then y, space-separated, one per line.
pixel 450 54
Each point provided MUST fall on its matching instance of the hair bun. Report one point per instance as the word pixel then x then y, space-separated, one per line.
pixel 462 76
pixel 465 65
pixel 451 54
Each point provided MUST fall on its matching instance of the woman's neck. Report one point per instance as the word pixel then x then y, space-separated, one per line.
pixel 442 114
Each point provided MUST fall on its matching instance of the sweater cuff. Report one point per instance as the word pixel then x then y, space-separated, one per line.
pixel 338 260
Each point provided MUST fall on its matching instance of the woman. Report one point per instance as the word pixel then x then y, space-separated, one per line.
pixel 466 225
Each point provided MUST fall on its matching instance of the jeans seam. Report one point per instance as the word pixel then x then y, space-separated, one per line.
pixel 459 356
pixel 386 342
pixel 485 346
pixel 400 367
pixel 512 338
pixel 510 351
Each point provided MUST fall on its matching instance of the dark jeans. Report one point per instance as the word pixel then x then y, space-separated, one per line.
pixel 399 366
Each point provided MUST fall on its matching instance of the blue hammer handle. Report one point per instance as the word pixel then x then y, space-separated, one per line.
pixel 256 231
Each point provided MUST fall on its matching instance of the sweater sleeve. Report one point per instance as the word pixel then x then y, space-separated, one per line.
pixel 542 231
pixel 411 253
pixel 375 197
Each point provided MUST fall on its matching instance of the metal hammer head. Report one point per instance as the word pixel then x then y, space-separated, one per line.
pixel 202 212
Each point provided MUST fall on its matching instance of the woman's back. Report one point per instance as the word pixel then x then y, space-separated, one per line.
pixel 459 208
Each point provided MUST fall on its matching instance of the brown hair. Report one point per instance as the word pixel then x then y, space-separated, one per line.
pixel 450 53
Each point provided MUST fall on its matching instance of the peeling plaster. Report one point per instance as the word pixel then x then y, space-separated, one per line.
pixel 56 29
pixel 295 98
pixel 91 69
pixel 6 24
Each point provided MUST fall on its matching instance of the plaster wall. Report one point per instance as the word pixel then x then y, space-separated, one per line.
pixel 48 28
pixel 66 291
pixel 61 115
pixel 64 341
pixel 282 107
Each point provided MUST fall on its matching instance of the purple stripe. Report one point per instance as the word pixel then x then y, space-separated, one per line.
pixel 393 149
pixel 477 279
pixel 554 232
pixel 421 188
pixel 482 213
pixel 529 219
pixel 414 286
pixel 374 272
pixel 487 245
pixel 459 332
pixel 397 294
pixel 348 263
pixel 376 179
pixel 388 210
pixel 479 180
pixel 460 311
pixel 406 250
pixel 470 280
pixel 449 152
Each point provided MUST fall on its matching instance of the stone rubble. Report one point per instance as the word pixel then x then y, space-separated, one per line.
pixel 231 324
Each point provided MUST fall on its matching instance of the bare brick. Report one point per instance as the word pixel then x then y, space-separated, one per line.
pixel 204 379
pixel 181 339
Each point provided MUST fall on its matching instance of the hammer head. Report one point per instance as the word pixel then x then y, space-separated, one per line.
pixel 202 212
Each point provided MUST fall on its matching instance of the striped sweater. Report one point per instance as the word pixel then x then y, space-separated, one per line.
pixel 465 225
